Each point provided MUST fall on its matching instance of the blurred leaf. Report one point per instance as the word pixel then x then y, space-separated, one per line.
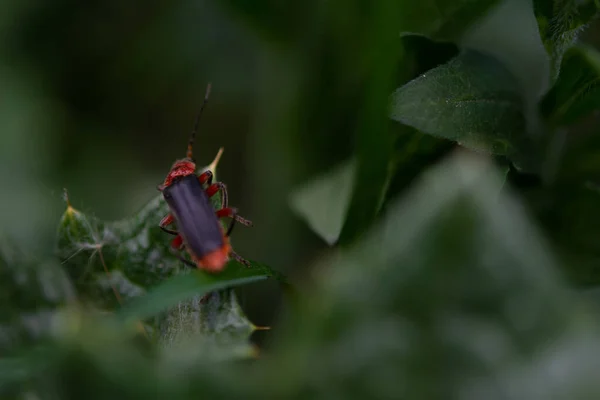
pixel 570 214
pixel 414 152
pixel 31 292
pixel 472 100
pixel 323 202
pixel 99 362
pixel 194 284
pixel 114 262
pixel 373 150
pixel 580 157
pixel 568 205
pixel 370 30
pixel 442 19
pixel 19 369
pixel 453 295
pixel 560 22
pixel 279 21
pixel 425 54
pixel 575 93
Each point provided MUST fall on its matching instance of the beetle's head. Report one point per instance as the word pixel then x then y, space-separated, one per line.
pixel 180 169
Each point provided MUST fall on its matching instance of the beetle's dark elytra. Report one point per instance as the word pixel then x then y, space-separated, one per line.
pixel 196 219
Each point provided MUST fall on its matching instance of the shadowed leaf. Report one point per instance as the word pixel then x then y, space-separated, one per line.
pixel 442 19
pixel 576 92
pixel 560 22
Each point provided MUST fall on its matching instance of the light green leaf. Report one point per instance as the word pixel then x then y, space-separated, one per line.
pixel 323 202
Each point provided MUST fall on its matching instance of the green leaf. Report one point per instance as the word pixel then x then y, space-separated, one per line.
pixel 576 92
pixel 323 202
pixel 113 263
pixel 560 23
pixel 453 295
pixel 194 283
pixel 473 100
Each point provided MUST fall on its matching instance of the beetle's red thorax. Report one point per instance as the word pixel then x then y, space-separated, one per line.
pixel 180 169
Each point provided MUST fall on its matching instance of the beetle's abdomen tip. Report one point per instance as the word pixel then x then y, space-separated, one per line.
pixel 214 261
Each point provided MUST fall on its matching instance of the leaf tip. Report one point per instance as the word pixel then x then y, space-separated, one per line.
pixel 260 328
pixel 67 201
pixel 70 211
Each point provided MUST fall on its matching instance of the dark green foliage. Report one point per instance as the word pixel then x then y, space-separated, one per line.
pixel 560 23
pixel 442 19
pixel 575 94
pixel 461 227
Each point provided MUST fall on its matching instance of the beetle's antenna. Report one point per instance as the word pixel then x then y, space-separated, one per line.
pixel 193 135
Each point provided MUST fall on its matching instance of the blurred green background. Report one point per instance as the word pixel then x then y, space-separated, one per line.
pixel 99 97
pixel 468 286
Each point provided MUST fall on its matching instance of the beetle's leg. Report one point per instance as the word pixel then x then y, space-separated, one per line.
pixel 168 220
pixel 232 213
pixel 214 188
pixel 206 177
pixel 177 243
pixel 239 258
pixel 183 260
